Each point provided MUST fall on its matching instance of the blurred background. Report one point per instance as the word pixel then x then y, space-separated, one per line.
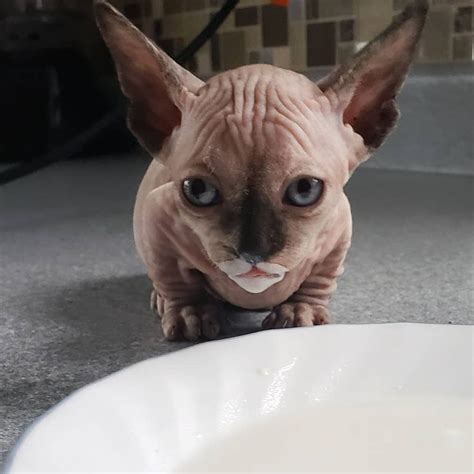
pixel 57 77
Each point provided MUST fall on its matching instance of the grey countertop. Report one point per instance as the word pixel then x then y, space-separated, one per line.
pixel 74 296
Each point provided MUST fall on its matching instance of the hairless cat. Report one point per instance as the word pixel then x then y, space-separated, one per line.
pixel 244 201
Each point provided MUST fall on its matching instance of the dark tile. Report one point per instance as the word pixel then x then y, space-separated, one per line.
pixel 246 16
pixel 274 26
pixel 346 30
pixel 463 19
pixel 312 9
pixel 216 3
pixel 157 28
pixel 190 5
pixel 232 46
pixel 132 10
pixel 172 6
pixel 215 53
pixel 147 10
pixel 321 44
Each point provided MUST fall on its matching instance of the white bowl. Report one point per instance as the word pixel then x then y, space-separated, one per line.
pixel 372 398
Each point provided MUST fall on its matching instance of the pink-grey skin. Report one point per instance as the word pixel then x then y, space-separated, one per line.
pixel 244 201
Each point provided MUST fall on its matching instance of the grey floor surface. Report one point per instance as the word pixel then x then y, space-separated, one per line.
pixel 74 297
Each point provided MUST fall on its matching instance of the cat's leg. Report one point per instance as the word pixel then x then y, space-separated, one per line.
pixel 309 305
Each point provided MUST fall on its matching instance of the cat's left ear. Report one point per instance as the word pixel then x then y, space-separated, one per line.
pixel 365 87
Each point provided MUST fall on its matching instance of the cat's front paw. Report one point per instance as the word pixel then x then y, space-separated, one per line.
pixel 190 322
pixel 157 304
pixel 288 315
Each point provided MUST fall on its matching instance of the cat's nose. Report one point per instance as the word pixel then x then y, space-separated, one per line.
pixel 251 258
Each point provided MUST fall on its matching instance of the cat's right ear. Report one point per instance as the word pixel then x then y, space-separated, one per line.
pixel 155 84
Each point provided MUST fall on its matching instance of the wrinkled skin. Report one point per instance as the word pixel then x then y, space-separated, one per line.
pixel 250 132
pixel 322 233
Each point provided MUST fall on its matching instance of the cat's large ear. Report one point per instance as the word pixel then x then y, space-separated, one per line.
pixel 155 85
pixel 366 86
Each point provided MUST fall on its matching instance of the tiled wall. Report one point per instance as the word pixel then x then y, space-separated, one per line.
pixel 302 35
pixel 305 34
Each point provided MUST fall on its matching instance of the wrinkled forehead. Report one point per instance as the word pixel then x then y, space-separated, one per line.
pixel 253 120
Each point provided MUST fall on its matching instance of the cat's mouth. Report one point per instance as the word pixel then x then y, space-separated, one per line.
pixel 256 272
pixel 251 278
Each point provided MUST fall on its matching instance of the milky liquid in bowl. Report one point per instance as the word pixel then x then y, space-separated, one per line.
pixel 398 436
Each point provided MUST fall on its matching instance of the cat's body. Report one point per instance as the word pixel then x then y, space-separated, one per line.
pixel 245 201
pixel 159 232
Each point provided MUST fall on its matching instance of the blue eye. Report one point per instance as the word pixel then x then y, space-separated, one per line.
pixel 200 193
pixel 303 192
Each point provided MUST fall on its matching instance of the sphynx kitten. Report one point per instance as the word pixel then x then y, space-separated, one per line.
pixel 244 201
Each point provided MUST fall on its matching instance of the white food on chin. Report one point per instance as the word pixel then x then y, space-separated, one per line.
pixel 235 269
pixel 257 284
